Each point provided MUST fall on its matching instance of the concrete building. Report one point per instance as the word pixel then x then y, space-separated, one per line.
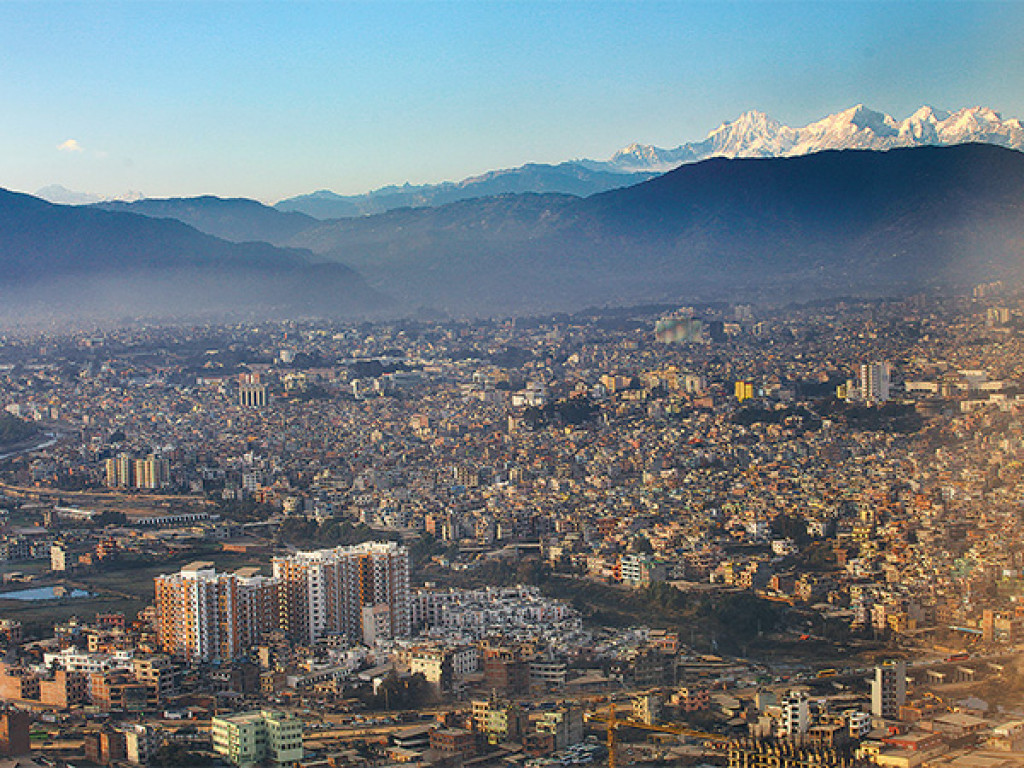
pixel 564 724
pixel 206 616
pixel 796 715
pixel 14 738
pixel 324 592
pixel 874 382
pixel 140 743
pixel 120 471
pixel 247 739
pixel 252 393
pixel 152 472
pixel 889 689
pixel 647 708
pixel 58 557
pixel 435 664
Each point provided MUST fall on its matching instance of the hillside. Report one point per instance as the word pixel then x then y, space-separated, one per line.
pixel 836 222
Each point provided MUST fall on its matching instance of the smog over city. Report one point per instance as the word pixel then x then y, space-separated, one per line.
pixel 516 383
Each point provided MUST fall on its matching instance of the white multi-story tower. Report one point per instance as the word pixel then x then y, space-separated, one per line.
pixel 325 591
pixel 203 615
pixel 874 382
pixel 796 715
pixel 889 689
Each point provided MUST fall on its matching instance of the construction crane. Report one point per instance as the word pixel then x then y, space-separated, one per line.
pixel 613 722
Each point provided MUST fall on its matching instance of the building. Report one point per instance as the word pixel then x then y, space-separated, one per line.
pixel 453 741
pixel 206 616
pixel 505 669
pixel 744 390
pixel 10 631
pixel 118 689
pixel 140 743
pixel 251 392
pixel 152 472
pixel 104 747
pixel 874 382
pixel 564 724
pixel 324 592
pixel 647 708
pixel 691 699
pixel 17 684
pixel 247 739
pixel 376 624
pixel 435 664
pixel 159 676
pixel 58 557
pixel 642 570
pixel 120 471
pixel 796 715
pixel 64 689
pixel 889 689
pixel 756 753
pixel 14 738
pixel 498 720
pixel 547 674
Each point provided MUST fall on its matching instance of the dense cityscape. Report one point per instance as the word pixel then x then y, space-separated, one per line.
pixel 705 535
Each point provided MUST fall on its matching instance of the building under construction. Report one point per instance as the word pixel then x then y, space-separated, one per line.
pixel 763 753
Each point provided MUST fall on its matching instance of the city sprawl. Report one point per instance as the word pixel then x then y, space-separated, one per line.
pixel 705 535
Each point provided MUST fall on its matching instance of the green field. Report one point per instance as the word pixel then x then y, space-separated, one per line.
pixel 119 588
pixel 137 580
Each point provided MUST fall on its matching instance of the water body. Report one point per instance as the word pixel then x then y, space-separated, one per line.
pixel 45 441
pixel 44 593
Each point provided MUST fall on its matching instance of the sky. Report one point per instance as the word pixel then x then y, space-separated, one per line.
pixel 274 99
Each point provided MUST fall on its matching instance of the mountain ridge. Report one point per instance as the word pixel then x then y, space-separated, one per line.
pixel 755 134
pixel 567 178
pixel 829 223
pixel 59 260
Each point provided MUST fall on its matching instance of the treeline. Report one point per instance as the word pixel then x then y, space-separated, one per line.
pixel 305 532
pixel 574 410
pixel 15 430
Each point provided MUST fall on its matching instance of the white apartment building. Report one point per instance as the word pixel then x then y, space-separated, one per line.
pixel 325 591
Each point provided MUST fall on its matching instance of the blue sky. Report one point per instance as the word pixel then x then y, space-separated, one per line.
pixel 274 99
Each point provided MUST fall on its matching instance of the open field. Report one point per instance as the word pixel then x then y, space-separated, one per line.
pixel 137 581
pixel 115 589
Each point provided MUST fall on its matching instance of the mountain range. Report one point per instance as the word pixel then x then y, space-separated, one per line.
pixel 838 222
pixel 753 134
pixel 62 262
pixel 830 223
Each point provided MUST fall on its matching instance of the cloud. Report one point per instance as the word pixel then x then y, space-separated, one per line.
pixel 71 145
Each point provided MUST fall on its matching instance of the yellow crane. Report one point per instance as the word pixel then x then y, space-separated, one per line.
pixel 613 722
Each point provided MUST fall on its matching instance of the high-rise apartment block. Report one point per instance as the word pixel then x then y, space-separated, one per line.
pixel 123 471
pixel 324 592
pixel 152 472
pixel 360 592
pixel 796 717
pixel 120 471
pixel 252 393
pixel 203 615
pixel 874 382
pixel 889 689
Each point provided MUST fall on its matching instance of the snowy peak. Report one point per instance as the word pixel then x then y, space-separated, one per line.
pixel 755 134
pixel 643 157
pixel 749 123
pixel 60 195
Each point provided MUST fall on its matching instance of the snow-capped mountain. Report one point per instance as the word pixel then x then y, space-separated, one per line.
pixel 755 134
pixel 60 195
